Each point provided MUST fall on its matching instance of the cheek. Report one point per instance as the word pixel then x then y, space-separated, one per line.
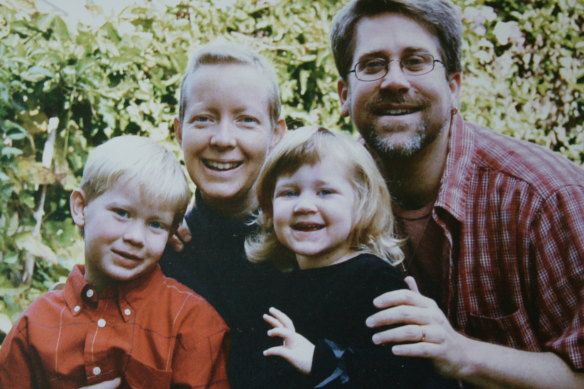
pixel 194 141
pixel 157 243
pixel 255 146
pixel 280 215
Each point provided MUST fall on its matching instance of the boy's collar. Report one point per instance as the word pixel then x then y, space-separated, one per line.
pixel 80 294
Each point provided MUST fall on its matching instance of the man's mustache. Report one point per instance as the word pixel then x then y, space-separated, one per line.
pixel 386 99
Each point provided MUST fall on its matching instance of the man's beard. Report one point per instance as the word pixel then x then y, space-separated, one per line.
pixel 384 146
pixel 382 139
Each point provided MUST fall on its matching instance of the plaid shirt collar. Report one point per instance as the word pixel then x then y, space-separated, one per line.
pixel 453 192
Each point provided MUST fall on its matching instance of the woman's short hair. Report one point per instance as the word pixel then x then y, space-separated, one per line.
pixel 440 16
pixel 373 228
pixel 139 161
pixel 226 53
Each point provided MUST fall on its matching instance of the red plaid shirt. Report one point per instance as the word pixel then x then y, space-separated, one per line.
pixel 153 332
pixel 512 214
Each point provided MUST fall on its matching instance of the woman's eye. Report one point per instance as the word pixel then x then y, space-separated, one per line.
pixel 200 120
pixel 325 192
pixel 248 120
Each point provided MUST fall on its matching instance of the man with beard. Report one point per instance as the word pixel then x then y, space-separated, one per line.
pixel 495 225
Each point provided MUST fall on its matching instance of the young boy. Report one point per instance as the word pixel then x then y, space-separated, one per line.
pixel 119 316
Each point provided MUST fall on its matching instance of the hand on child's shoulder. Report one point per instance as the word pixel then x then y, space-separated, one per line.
pixel 181 237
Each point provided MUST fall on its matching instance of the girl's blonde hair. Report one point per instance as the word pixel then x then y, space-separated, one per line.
pixel 373 220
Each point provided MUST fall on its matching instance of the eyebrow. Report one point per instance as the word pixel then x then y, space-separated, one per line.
pixel 406 51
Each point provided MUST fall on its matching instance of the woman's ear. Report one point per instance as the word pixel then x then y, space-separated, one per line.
pixel 279 132
pixel 178 130
pixel 78 203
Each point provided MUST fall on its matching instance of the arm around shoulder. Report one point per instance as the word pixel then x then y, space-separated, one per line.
pixel 494 366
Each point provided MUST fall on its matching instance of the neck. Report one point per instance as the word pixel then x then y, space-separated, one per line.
pixel 414 181
pixel 305 263
pixel 231 207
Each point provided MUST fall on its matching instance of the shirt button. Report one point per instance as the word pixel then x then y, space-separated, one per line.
pixel 96 370
pixel 76 308
pixel 101 323
pixel 89 293
pixel 127 312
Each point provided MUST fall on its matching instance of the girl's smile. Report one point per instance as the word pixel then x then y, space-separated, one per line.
pixel 313 213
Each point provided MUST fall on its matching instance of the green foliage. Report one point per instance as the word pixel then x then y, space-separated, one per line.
pixel 65 89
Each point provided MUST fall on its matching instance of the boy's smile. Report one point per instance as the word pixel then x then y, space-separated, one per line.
pixel 313 213
pixel 125 234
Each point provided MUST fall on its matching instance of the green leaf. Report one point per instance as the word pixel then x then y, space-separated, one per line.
pixel 5 323
pixel 37 73
pixel 60 28
pixel 33 245
pixel 11 151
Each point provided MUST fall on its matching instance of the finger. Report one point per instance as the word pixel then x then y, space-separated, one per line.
pixel 278 351
pixel 281 332
pixel 184 232
pixel 411 282
pixel 176 244
pixel 405 334
pixel 402 314
pixel 282 317
pixel 423 350
pixel 401 297
pixel 272 321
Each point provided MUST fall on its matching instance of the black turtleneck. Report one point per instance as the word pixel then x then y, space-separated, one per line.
pixel 214 265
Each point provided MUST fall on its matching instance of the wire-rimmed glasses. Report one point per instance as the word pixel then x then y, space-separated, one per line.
pixel 373 69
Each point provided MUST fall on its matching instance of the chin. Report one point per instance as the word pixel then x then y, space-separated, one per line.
pixel 221 191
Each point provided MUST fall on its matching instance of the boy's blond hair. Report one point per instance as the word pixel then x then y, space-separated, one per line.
pixel 142 162
pixel 225 53
pixel 373 220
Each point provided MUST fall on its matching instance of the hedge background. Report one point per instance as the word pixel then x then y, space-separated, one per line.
pixel 65 89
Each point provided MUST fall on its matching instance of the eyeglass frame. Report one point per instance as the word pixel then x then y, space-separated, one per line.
pixel 401 66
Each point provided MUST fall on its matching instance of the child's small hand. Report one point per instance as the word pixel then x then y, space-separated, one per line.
pixel 297 350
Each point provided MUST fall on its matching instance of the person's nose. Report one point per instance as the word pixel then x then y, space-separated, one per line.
pixel 223 136
pixel 305 204
pixel 395 78
pixel 135 233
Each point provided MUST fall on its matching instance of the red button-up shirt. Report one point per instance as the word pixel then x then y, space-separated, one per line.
pixel 153 332
pixel 512 215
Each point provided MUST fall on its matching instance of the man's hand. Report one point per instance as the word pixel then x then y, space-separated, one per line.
pixel 181 236
pixel 297 350
pixel 113 384
pixel 424 327
pixel 479 363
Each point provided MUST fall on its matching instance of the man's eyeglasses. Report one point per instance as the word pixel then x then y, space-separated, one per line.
pixel 374 69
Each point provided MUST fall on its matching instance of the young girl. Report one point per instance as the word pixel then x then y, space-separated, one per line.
pixel 326 218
